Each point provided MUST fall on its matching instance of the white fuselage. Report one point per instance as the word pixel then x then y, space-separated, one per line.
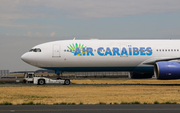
pixel 102 55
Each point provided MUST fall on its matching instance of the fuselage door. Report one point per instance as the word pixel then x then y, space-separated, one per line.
pixel 56 51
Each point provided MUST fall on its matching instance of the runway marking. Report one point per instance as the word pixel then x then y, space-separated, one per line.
pixel 94 110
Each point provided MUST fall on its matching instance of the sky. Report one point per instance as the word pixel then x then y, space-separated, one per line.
pixel 26 23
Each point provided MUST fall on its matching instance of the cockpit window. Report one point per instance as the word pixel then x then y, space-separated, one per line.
pixel 31 50
pixel 35 50
pixel 38 50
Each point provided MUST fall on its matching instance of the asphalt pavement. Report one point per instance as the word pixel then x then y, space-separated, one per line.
pixel 154 108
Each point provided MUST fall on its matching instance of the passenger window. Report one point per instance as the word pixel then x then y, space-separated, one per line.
pixel 64 50
pixel 174 49
pixel 171 49
pixel 159 49
pixel 68 50
pixel 168 49
pixel 177 49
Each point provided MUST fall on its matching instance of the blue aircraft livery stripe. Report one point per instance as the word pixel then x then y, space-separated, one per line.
pixel 81 69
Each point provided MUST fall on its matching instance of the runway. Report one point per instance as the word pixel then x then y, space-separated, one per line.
pixel 163 108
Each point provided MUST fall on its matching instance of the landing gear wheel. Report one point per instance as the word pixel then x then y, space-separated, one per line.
pixel 41 82
pixel 66 82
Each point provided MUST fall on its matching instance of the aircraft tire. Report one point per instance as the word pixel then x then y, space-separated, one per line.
pixel 66 82
pixel 41 82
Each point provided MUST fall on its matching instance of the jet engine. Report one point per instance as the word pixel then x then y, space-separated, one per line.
pixel 167 70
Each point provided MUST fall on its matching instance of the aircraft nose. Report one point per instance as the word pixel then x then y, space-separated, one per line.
pixel 24 57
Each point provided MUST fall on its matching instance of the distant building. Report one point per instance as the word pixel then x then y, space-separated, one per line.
pixel 4 73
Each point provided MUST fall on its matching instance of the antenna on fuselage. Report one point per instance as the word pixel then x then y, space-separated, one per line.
pixel 74 38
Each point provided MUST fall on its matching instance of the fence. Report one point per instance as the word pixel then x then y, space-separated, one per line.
pixel 115 73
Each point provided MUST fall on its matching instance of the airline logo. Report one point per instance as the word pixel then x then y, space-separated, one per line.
pixel 81 50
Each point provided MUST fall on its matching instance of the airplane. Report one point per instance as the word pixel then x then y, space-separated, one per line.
pixel 142 58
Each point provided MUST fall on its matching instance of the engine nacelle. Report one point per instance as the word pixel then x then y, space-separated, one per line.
pixel 139 75
pixel 167 70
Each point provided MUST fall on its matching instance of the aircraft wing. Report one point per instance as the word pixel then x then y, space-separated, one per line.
pixel 152 61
